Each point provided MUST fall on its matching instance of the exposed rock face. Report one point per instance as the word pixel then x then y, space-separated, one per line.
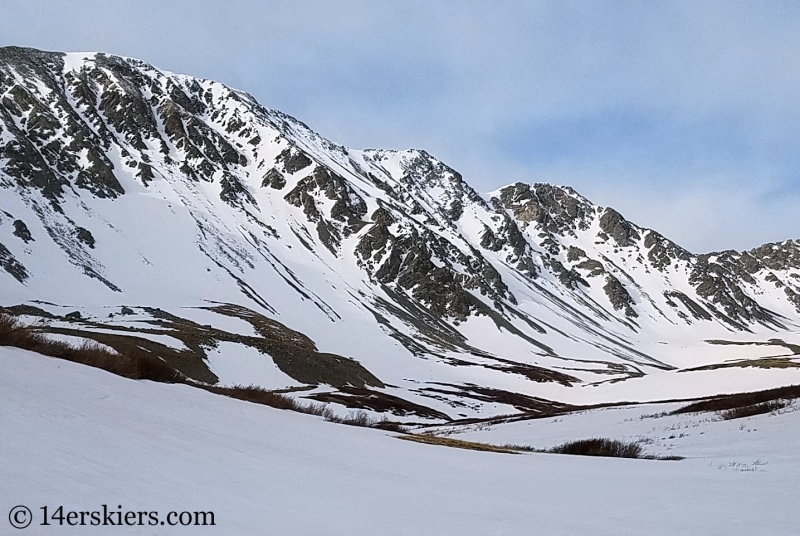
pixel 553 210
pixel 274 179
pixel 780 256
pixel 663 252
pixel 618 228
pixel 21 231
pixel 618 296
pixel 293 160
pixel 85 236
pixel 345 214
pixel 11 265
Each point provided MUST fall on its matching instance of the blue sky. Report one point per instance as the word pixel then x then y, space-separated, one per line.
pixel 684 116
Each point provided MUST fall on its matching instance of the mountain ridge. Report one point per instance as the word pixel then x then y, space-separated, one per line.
pixel 111 170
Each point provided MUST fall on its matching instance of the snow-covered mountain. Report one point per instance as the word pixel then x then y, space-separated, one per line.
pixel 162 213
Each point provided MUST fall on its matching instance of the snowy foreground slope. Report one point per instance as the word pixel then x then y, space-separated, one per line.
pixel 80 437
pixel 169 215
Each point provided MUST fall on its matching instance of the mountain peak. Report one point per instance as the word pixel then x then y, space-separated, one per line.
pixel 122 183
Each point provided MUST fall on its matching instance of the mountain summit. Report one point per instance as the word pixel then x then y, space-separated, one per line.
pixel 150 210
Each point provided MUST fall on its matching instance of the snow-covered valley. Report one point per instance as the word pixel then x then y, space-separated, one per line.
pixel 80 437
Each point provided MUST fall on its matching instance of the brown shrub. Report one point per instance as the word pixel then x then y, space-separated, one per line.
pixel 749 411
pixel 255 394
pixel 391 426
pixel 429 439
pixel 150 367
pixel 523 448
pixel 141 367
pixel 599 447
pixel 726 402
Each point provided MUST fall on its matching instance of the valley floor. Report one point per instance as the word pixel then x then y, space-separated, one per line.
pixel 81 437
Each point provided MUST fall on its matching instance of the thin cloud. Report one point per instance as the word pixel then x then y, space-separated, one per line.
pixel 682 115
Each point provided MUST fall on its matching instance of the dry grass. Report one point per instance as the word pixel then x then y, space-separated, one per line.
pixel 763 362
pixel 362 418
pixel 749 411
pixel 141 367
pixel 460 444
pixel 259 395
pixel 254 394
pixel 729 402
pixel 584 447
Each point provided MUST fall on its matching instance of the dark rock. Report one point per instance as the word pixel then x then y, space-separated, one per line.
pixel 595 268
pixel 293 160
pixel 84 236
pixel 233 192
pixel 11 265
pixel 21 231
pixel 618 296
pixel 569 278
pixel 614 225
pixel 663 252
pixel 779 256
pixel 575 253
pixel 554 210
pixel 346 213
pixel 696 309
pixel 274 179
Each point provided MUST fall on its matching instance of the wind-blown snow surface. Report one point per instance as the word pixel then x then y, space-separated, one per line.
pixel 80 437
pixel 121 184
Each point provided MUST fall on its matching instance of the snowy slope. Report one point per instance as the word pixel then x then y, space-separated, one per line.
pixel 122 185
pixel 79 437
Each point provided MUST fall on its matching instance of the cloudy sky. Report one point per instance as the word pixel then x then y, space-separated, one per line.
pixel 684 116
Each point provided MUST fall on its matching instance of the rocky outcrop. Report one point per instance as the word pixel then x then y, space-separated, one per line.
pixel 11 265
pixel 552 209
pixel 22 232
pixel 619 296
pixel 620 230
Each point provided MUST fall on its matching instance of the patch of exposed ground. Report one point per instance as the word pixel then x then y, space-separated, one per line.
pixel 293 353
pixel 524 403
pixel 297 356
pixel 357 398
pixel 794 348
pixel 763 362
pixel 458 443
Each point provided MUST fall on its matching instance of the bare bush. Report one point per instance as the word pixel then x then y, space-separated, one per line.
pixel 727 402
pixel 755 409
pixel 599 447
pixel 359 418
pixel 523 448
pixel 255 394
pixel 391 426
pixel 150 367
pixel 140 367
